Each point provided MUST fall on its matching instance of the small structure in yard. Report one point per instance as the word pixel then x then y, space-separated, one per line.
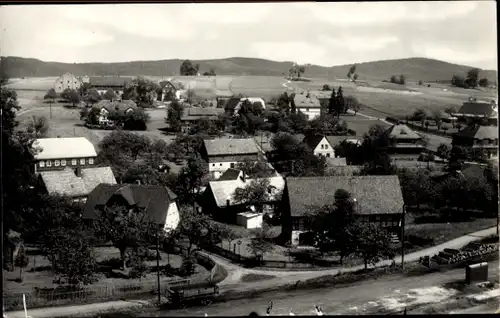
pixel 104 83
pixel 158 202
pixel 379 199
pixel 476 273
pixel 193 115
pixel 249 220
pixel 218 199
pixel 309 105
pixel 58 153
pixel 76 183
pixel 66 81
pixel 403 141
pixel 478 138
pixel 222 154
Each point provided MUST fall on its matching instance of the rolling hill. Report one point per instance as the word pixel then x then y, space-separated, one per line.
pixel 413 68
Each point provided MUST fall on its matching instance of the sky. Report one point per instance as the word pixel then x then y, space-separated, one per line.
pixel 461 32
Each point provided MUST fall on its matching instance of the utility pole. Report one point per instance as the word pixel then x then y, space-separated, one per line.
pixel 403 238
pixel 158 263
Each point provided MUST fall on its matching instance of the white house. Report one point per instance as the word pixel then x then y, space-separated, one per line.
pixel 320 146
pixel 59 153
pixel 225 153
pixel 123 107
pixel 308 104
pixel 65 81
pixel 159 203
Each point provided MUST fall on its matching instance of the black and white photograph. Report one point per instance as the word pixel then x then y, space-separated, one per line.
pixel 249 159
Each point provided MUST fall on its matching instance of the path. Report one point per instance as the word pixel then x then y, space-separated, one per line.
pixel 235 272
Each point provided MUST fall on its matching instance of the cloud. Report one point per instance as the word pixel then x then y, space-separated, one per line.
pixel 450 54
pixel 353 43
pixel 227 13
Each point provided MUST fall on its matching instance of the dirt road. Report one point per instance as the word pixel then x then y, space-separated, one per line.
pixel 359 298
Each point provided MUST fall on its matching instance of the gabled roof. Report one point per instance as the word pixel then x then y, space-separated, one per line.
pixel 478 109
pixel 63 148
pixel 66 182
pixel 229 146
pixel 224 190
pixel 196 113
pixel 303 101
pixel 337 140
pixel 373 194
pixel 109 80
pixel 401 131
pixel 154 199
pixel 231 174
pixel 479 132
pixel 175 85
pixel 362 126
pixel 120 106
pixel 312 141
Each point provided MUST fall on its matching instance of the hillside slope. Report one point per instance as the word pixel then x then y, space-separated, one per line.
pixel 413 68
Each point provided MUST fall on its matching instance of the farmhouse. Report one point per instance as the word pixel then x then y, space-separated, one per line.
pixel 225 153
pixel 218 198
pixel 233 104
pixel 337 140
pixel 58 153
pixel 192 115
pixel 170 88
pixel 75 183
pixel 103 83
pixel 478 138
pixel 159 203
pixel 66 81
pixel 308 105
pixel 403 142
pixel 320 146
pixel 107 107
pixel 472 111
pixel 377 199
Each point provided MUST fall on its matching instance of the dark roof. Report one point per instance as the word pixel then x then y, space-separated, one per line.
pixel 312 141
pixel 478 109
pixel 230 174
pixel 362 126
pixel 109 80
pixel 155 199
pixel 373 194
pixel 229 146
pixel 196 113
pixel 173 84
pixel 302 101
pixel 479 132
pixel 120 106
pixel 337 140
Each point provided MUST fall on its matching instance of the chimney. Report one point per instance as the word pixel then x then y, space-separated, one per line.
pixel 78 172
pixel 227 203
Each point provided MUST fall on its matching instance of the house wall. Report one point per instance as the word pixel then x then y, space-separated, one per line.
pixel 216 167
pixel 173 217
pixel 311 113
pixel 254 222
pixel 59 164
pixel 66 81
pixel 324 149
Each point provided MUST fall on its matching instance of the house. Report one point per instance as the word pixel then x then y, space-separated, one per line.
pixel 159 203
pixel 478 138
pixel 76 183
pixel 222 154
pixel 218 199
pixel 337 140
pixel 473 110
pixel 320 146
pixel 308 104
pixel 378 199
pixel 104 83
pixel 232 174
pixel 65 81
pixel 59 153
pixel 192 115
pixel 170 88
pixel 107 107
pixel 404 142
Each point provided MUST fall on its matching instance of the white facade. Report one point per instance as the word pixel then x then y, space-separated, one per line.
pixel 216 169
pixel 250 220
pixel 295 237
pixel 173 217
pixel 311 113
pixel 66 81
pixel 324 149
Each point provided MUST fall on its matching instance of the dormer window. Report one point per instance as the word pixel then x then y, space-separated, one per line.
pixel 41 164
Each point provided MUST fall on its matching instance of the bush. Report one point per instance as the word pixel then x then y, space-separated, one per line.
pixel 188 266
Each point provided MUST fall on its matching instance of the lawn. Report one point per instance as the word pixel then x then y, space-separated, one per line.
pixel 38 274
pixel 32 83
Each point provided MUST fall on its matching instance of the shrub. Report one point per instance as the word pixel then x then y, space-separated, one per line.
pixel 188 266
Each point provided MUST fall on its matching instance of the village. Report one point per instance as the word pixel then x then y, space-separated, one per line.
pixel 181 187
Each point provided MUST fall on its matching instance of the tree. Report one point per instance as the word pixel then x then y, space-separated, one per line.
pixel 38 127
pixel 483 82
pixel 340 103
pixel 51 95
pixel 420 83
pixel 191 95
pixel 190 179
pixel 110 95
pixel 210 73
pixel 443 151
pixel 457 157
pixel 260 243
pixel 188 69
pixel 450 110
pixel 73 97
pixel 355 77
pixel 174 114
pixel 402 79
pixel 136 120
pixel 193 225
pixel 373 243
pixel 332 103
pixel 254 169
pixel 374 151
pixel 21 261
pixel 394 79
pixel 84 89
pixel 419 115
pixel 92 97
pixel 256 193
pixel 472 77
pixel 326 87
pixel 351 72
pixel 227 233
pixel 458 81
pixel 352 103
pixel 65 94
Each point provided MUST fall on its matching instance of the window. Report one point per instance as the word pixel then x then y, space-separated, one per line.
pixel 295 224
pixel 232 165
pixel 63 162
pixel 322 146
pixel 49 163
pixel 213 164
pixel 326 146
pixel 73 162
pixel 220 164
pixel 41 164
pixel 56 163
pixel 82 161
pixel 91 161
pixel 377 218
pixel 328 155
